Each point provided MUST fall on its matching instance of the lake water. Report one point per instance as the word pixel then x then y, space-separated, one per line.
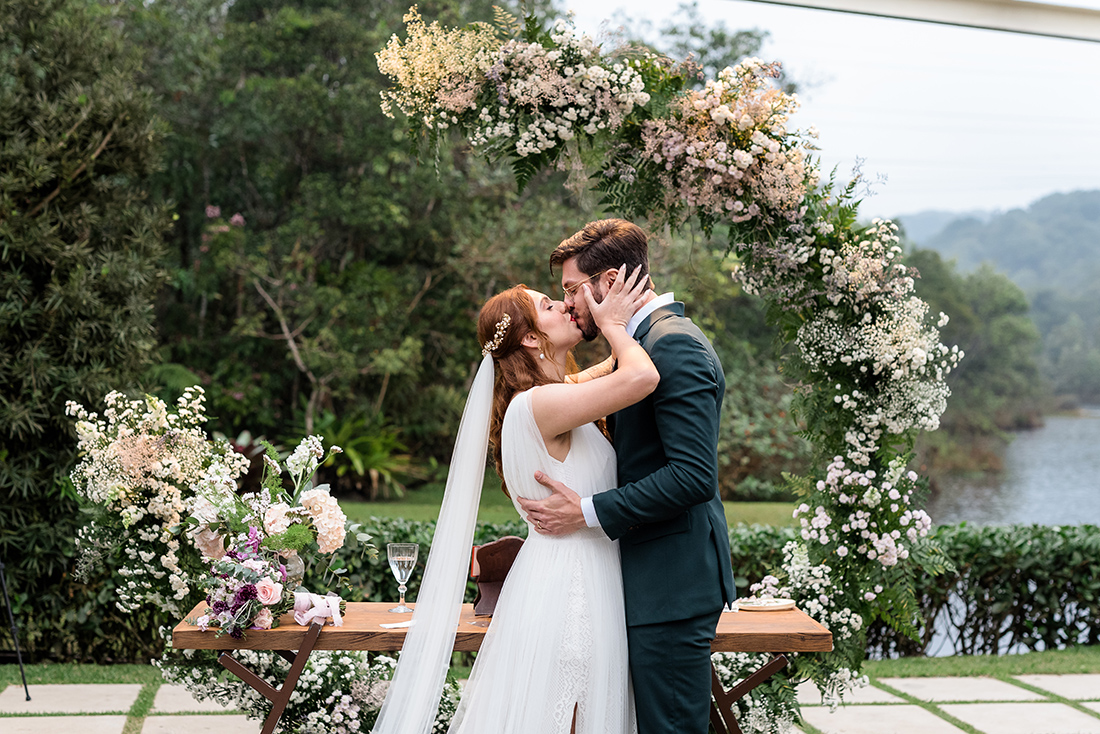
pixel 1051 477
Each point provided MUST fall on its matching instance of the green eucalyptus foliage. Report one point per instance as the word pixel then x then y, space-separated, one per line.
pixel 80 240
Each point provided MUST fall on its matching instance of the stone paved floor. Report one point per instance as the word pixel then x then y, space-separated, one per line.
pixel 1070 705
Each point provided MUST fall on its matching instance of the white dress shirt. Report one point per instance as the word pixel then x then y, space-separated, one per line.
pixel 587 506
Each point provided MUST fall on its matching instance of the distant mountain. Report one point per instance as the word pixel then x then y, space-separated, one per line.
pixel 1051 250
pixel 1052 244
pixel 922 226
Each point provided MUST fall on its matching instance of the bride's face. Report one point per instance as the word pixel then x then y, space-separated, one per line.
pixel 556 322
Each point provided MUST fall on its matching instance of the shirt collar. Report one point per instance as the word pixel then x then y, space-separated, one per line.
pixel 640 315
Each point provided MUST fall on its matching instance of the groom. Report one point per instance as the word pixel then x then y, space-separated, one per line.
pixel 666 512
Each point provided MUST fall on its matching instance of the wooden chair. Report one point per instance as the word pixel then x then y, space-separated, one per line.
pixel 488 567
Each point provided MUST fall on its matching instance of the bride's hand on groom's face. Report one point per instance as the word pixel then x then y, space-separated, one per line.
pixel 558 514
pixel 623 298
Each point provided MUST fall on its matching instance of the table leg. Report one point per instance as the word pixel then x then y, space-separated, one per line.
pixel 721 710
pixel 279 697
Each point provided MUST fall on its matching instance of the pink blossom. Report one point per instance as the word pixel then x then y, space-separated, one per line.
pixel 210 544
pixel 237 220
pixel 268 592
pixel 213 212
pixel 263 620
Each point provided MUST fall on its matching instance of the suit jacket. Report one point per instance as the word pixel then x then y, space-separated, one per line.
pixel 667 512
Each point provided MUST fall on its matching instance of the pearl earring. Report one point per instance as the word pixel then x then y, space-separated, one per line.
pixel 542 356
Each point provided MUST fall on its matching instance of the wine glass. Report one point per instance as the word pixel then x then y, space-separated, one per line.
pixel 402 562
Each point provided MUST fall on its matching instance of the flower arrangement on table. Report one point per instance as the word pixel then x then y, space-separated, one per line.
pixel 254 541
pixel 867 359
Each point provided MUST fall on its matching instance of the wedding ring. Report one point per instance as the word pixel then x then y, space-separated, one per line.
pixel 539 523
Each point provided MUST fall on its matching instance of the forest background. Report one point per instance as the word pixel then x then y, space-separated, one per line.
pixel 233 210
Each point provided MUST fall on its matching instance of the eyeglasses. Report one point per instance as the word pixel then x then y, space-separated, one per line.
pixel 571 291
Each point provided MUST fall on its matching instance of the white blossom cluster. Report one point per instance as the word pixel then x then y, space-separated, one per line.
pixel 543 97
pixel 140 462
pixel 757 713
pixel 867 271
pixel 872 514
pixel 529 97
pixel 904 355
pixel 339 692
pixel 813 588
pixel 726 150
pixel 438 73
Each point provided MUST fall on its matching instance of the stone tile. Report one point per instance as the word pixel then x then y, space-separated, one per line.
pixel 172 699
pixel 210 724
pixel 54 724
pixel 1095 706
pixel 808 695
pixel 1078 687
pixel 72 698
pixel 1024 718
pixel 874 719
pixel 961 689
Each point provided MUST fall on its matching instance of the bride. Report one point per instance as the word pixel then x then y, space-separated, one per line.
pixel 555 656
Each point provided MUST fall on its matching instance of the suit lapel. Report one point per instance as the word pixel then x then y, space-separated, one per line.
pixel 673 309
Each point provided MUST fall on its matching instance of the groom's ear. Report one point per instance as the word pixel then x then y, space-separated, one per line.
pixel 608 278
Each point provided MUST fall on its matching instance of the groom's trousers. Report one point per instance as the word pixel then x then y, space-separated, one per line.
pixel 670 673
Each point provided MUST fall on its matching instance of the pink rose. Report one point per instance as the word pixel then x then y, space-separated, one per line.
pixel 268 592
pixel 264 619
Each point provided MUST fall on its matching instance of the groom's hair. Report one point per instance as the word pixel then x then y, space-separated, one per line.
pixel 605 244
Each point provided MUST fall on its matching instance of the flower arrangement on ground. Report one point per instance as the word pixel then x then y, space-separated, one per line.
pixel 866 357
pixel 141 459
pixel 338 693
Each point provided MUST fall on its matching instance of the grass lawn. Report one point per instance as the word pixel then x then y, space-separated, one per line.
pixel 1060 662
pixel 423 504
pixel 1078 660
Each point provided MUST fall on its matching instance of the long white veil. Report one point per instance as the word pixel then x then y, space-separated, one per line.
pixel 412 701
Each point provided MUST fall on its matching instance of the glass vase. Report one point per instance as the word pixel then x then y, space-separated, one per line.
pixel 295 570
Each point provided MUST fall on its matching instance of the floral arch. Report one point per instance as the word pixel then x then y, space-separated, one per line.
pixel 868 359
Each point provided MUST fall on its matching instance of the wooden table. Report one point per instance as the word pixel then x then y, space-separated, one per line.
pixel 770 632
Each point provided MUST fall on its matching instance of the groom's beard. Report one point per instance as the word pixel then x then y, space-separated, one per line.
pixel 589 330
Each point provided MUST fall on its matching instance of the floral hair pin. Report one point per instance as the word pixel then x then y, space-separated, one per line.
pixel 498 336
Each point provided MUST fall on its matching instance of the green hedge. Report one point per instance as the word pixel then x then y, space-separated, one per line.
pixel 1017 587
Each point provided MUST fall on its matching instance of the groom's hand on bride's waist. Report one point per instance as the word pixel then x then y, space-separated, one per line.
pixel 558 514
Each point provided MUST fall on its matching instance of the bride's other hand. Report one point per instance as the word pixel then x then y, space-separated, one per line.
pixel 626 295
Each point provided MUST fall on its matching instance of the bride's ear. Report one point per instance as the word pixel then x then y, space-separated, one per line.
pixel 530 340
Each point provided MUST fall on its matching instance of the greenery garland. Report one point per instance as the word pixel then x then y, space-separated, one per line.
pixel 868 360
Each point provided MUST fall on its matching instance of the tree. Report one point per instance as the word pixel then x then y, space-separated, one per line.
pixel 79 244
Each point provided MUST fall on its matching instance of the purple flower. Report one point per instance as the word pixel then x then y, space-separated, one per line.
pixel 219 606
pixel 213 212
pixel 236 633
pixel 244 595
pixel 254 538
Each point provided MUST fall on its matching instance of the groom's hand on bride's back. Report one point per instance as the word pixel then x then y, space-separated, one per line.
pixel 558 514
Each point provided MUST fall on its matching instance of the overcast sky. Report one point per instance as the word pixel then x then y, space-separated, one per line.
pixel 955 119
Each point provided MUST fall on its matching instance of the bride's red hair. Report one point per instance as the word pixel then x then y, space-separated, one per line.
pixel 516 368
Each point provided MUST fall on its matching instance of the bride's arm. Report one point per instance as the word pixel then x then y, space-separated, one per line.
pixel 602 369
pixel 561 407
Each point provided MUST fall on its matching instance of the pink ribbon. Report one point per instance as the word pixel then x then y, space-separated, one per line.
pixel 308 607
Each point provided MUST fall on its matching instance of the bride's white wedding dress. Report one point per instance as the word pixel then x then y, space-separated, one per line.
pixel 558 635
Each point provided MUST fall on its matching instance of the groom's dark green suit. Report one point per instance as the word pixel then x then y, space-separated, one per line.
pixel 668 517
